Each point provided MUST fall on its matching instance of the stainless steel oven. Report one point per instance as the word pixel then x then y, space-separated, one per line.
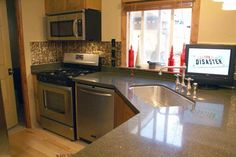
pixel 81 25
pixel 57 93
pixel 56 109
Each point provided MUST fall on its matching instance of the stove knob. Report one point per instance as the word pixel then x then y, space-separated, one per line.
pixel 52 73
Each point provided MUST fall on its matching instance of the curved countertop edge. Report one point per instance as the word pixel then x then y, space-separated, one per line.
pixel 102 146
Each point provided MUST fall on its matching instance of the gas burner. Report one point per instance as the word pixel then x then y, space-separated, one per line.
pixel 62 76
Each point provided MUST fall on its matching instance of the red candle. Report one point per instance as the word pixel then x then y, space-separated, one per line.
pixel 171 61
pixel 131 57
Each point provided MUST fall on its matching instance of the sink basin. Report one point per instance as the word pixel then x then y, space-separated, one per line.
pixel 160 96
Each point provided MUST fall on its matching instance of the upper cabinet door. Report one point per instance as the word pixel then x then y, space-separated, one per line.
pixel 125 1
pixel 75 4
pixel 93 4
pixel 55 6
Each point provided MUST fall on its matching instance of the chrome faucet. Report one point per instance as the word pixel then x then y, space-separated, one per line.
pixel 195 90
pixel 189 87
pixel 181 86
pixel 177 80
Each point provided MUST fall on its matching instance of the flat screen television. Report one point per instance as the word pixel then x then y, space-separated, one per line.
pixel 211 65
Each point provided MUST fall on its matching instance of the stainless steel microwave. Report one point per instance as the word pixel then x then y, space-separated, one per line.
pixel 80 25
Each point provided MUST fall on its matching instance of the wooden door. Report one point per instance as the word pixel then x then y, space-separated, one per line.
pixel 5 64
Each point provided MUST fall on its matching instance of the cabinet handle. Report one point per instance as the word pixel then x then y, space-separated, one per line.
pixel 95 93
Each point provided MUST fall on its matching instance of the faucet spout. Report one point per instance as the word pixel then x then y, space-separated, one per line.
pixel 176 67
pixel 182 84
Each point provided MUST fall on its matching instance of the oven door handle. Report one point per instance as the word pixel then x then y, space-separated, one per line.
pixel 75 28
pixel 96 93
pixel 45 101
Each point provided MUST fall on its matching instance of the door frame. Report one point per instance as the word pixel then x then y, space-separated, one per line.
pixel 25 89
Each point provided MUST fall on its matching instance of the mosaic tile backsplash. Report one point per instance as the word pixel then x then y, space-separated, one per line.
pixel 52 52
pixel 46 52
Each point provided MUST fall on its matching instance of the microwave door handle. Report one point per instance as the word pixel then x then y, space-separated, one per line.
pixel 75 28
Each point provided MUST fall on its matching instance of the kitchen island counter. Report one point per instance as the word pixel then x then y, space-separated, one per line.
pixel 207 128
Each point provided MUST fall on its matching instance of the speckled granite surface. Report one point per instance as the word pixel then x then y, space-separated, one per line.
pixel 207 129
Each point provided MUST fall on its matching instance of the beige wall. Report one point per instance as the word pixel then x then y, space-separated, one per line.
pixel 111 20
pixel 216 25
pixel 33 28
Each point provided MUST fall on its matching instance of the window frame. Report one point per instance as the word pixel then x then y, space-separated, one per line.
pixel 142 5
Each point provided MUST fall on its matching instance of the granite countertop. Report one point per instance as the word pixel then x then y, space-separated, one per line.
pixel 207 128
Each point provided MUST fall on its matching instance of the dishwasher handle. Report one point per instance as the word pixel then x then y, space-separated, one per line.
pixel 96 93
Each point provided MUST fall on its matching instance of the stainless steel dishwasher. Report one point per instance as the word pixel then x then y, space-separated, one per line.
pixel 94 111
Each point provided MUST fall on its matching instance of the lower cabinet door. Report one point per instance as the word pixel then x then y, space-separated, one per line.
pixel 122 111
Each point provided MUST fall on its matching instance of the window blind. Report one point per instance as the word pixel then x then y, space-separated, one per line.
pixel 156 4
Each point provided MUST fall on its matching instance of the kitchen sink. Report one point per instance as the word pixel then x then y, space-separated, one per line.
pixel 160 96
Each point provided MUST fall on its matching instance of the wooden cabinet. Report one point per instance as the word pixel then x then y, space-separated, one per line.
pixel 122 111
pixel 75 4
pixel 127 1
pixel 55 6
pixel 93 4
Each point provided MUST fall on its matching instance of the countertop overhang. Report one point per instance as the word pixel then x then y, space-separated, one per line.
pixel 206 129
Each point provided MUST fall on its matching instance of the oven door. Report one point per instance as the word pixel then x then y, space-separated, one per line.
pixel 56 103
pixel 66 27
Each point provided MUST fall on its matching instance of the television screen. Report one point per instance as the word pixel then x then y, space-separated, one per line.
pixel 209 61
pixel 210 64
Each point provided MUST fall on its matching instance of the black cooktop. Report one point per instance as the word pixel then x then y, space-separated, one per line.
pixel 66 72
pixel 63 76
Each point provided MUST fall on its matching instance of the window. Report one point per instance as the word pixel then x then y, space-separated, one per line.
pixel 157 30
pixel 155 26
